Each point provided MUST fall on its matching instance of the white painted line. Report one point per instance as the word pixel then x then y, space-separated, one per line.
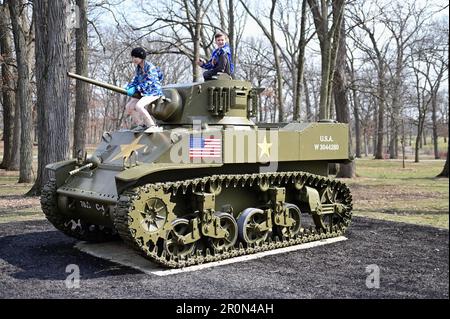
pixel 119 253
pixel 250 257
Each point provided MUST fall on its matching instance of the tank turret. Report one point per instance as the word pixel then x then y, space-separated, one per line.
pixel 211 185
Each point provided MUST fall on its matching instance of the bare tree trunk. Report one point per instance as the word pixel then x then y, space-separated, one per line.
pixel 17 141
pixel 277 64
pixel 196 39
pixel 421 141
pixel 356 110
pixel 300 64
pixel 396 96
pixel 381 102
pixel 366 143
pixel 321 23
pixel 7 89
pixel 81 88
pixel 328 39
pixel 341 99
pixel 309 115
pixel 418 139
pixel 434 124
pixel 270 35
pixel 20 30
pixel 221 14
pixel 52 56
pixel 444 172
pixel 375 135
pixel 231 36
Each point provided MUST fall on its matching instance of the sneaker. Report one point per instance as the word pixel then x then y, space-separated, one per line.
pixel 153 129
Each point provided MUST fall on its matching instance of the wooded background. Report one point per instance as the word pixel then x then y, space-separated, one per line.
pixel 381 66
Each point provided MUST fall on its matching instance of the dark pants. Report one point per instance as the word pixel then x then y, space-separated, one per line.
pixel 223 65
pixel 207 75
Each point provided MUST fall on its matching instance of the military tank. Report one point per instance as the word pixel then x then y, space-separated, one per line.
pixel 212 185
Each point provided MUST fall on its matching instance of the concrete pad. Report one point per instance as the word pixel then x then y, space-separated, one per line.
pixel 119 253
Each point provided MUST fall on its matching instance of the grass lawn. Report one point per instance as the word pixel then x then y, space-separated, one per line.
pixel 13 205
pixel 386 190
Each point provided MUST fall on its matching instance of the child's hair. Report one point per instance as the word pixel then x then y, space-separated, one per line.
pixel 220 34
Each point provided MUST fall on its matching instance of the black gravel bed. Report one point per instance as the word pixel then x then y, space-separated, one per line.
pixel 412 261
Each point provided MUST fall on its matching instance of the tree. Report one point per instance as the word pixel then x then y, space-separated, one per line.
pixel 429 62
pixel 340 88
pixel 422 98
pixel 256 67
pixel 376 53
pixel 270 35
pixel 52 58
pixel 404 21
pixel 20 26
pixel 438 48
pixel 10 153
pixel 329 42
pixel 81 89
pixel 356 102
pixel 296 37
pixel 444 172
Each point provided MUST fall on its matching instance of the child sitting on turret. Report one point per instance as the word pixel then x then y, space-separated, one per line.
pixel 220 60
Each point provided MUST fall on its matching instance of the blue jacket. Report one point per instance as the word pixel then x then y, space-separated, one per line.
pixel 147 81
pixel 215 57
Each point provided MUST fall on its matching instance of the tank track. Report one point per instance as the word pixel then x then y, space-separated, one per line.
pixel 74 228
pixel 156 254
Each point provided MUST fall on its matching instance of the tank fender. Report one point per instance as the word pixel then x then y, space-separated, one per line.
pixel 137 172
pixel 61 170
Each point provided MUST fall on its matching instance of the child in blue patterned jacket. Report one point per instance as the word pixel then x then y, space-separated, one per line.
pixel 146 82
pixel 220 60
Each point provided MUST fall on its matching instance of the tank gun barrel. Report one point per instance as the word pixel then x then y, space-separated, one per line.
pixel 98 83
pixel 80 169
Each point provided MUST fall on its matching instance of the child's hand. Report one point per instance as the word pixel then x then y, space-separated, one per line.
pixel 131 90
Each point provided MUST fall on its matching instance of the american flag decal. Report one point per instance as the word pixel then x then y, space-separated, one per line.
pixel 202 147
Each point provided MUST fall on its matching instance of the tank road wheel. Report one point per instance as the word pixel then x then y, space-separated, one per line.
pixel 174 245
pixel 337 203
pixel 251 228
pixel 75 228
pixel 294 213
pixel 228 223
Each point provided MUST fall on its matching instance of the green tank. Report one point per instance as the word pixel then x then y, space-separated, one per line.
pixel 211 185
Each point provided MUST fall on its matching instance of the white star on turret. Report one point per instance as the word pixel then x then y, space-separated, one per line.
pixel 265 148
